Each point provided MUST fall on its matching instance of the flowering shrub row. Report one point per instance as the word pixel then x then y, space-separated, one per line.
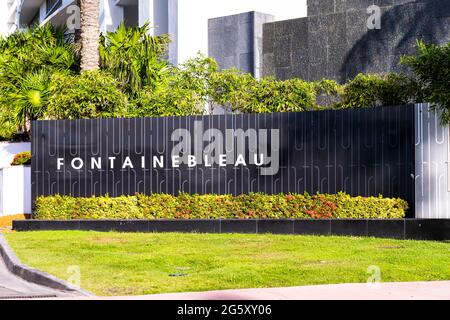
pixel 249 206
pixel 22 159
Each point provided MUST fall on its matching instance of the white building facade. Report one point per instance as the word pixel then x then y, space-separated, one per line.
pixel 186 21
pixel 8 16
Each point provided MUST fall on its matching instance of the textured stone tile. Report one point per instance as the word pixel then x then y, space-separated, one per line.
pixel 358 4
pixel 441 8
pixel 317 24
pixel 441 34
pixel 230 40
pixel 235 40
pixel 228 62
pixel 337 29
pixel 336 63
pixel 283 73
pixel 355 66
pixel 268 68
pixel 318 71
pixel 394 64
pixel 377 64
pixel 245 38
pixel 246 62
pixel 282 52
pixel 245 18
pixel 300 69
pixel 340 6
pixel 320 7
pixel 268 38
pixel 317 49
pixel 338 43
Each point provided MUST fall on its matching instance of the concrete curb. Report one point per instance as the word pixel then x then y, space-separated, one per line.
pixel 14 265
pixel 414 229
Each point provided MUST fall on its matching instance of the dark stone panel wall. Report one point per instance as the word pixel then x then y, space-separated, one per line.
pixel 364 152
pixel 236 41
pixel 418 229
pixel 334 41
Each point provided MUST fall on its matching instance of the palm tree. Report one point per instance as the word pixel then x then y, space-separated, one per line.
pixel 134 57
pixel 89 35
pixel 27 61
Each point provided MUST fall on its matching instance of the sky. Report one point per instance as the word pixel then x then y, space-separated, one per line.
pixel 194 15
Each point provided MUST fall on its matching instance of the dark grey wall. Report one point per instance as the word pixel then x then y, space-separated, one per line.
pixel 364 152
pixel 334 41
pixel 236 41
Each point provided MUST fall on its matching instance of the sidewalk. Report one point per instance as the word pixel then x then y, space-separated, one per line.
pixel 383 291
pixel 12 287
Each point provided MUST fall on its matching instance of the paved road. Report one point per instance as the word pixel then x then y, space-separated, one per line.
pixel 12 287
pixel 384 291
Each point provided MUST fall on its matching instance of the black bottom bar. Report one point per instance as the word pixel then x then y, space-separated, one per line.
pixel 418 229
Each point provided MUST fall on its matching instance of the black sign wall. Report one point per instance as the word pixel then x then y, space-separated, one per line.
pixel 362 152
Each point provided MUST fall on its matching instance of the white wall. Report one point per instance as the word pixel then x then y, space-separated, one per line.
pixel 15 191
pixel 193 18
pixel 3 18
pixel 15 182
pixel 7 17
pixel 110 15
pixel 8 150
pixel 432 171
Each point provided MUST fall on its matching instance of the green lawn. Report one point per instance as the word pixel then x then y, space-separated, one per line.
pixel 135 264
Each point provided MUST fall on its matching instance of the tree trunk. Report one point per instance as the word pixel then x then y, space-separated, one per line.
pixel 90 34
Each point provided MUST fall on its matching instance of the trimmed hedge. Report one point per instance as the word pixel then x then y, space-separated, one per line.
pixel 249 206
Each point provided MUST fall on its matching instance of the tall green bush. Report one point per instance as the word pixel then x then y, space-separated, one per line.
pixel 184 90
pixel 27 61
pixel 431 66
pixel 92 94
pixel 247 206
pixel 134 57
pixel 242 92
pixel 378 90
pixel 40 79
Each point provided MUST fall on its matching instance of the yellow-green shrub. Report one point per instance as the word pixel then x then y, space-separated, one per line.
pixel 247 206
pixel 22 159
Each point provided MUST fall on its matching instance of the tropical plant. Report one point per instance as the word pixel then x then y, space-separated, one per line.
pixel 27 61
pixel 134 57
pixel 30 98
pixel 183 91
pixel 93 94
pixel 244 93
pixel 375 90
pixel 431 66
pixel 89 34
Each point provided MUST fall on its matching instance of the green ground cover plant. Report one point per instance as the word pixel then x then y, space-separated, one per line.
pixel 136 264
pixel 247 206
pixel 22 159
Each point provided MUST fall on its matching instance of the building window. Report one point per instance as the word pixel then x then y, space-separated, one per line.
pixel 35 20
pixel 52 6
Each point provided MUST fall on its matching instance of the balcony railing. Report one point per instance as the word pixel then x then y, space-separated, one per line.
pixel 52 6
